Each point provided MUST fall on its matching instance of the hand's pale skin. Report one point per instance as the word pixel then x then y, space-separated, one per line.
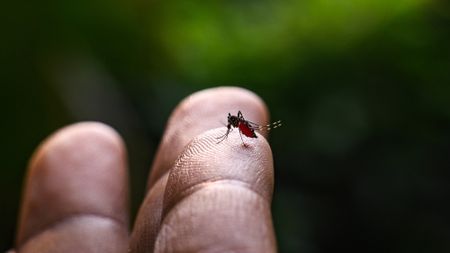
pixel 201 196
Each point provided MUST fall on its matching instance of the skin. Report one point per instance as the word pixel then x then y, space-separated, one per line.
pixel 201 196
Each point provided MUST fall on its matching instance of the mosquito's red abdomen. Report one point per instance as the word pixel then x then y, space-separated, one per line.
pixel 246 130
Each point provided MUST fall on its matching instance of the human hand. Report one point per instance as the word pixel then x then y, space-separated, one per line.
pixel 213 198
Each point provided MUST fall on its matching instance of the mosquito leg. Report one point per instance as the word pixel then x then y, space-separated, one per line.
pixel 241 138
pixel 223 137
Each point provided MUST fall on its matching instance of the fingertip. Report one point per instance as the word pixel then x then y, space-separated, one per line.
pixel 79 170
pixel 199 112
pixel 79 132
pixel 205 161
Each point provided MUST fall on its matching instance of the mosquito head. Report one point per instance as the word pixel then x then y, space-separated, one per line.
pixel 233 120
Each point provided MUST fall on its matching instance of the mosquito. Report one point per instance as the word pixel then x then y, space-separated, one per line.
pixel 245 127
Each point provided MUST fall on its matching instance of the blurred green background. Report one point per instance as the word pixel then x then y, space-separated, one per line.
pixel 363 87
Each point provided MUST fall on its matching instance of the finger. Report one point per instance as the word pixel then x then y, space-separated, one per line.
pixel 76 193
pixel 217 198
pixel 199 112
pixel 196 114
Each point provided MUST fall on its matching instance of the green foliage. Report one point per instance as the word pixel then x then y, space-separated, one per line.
pixel 265 40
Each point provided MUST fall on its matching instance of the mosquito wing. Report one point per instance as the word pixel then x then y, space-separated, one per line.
pixel 267 127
